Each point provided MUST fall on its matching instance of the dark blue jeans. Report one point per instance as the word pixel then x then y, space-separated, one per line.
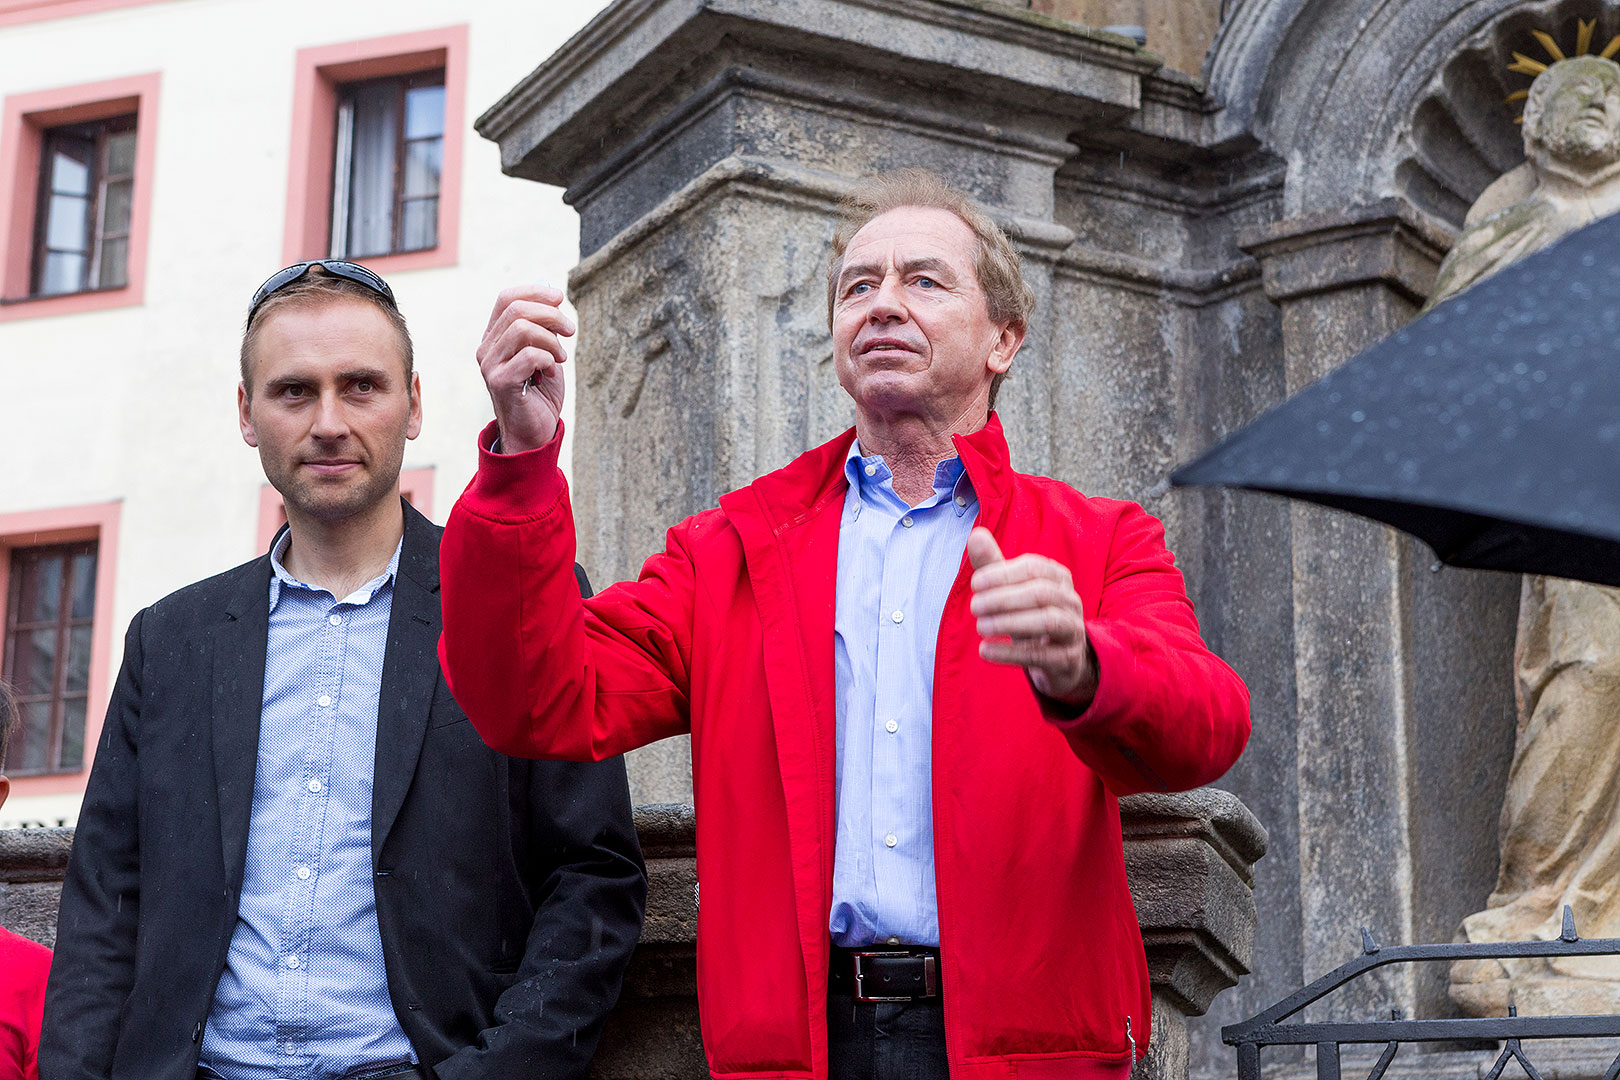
pixel 881 1040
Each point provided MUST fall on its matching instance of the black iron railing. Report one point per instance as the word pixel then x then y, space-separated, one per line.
pixel 1270 1029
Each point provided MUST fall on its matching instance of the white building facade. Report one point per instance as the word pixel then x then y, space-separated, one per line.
pixel 158 160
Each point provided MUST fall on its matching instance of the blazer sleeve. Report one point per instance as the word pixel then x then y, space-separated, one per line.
pixel 1168 714
pixel 586 875
pixel 539 671
pixel 93 970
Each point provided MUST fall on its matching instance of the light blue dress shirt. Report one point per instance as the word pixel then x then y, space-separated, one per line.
pixel 896 564
pixel 304 994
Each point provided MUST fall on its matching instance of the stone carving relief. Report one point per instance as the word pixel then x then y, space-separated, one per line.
pixel 1560 835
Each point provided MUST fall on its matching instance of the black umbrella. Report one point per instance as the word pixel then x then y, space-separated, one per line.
pixel 1489 428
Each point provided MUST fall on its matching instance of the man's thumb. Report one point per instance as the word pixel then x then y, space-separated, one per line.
pixel 982 549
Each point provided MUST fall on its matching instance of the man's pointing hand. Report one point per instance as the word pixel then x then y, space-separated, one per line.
pixel 1029 614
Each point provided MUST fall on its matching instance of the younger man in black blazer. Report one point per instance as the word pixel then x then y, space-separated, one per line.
pixel 295 857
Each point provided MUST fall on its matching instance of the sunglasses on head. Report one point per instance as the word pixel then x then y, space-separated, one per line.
pixel 341 267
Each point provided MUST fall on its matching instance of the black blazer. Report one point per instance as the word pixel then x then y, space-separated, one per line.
pixel 509 892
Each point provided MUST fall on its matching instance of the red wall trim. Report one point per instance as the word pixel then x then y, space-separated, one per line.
pixel 318 73
pixel 23 121
pixel 32 528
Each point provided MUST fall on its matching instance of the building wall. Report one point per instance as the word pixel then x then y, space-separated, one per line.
pixel 134 405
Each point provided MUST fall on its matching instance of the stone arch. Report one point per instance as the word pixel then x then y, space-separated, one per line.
pixel 1377 98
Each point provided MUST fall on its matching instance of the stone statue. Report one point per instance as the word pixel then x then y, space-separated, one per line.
pixel 1560 828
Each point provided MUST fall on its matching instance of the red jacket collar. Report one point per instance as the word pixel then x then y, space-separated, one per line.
pixel 801 487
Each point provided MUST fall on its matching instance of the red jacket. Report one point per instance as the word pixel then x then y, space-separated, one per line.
pixel 728 634
pixel 23 968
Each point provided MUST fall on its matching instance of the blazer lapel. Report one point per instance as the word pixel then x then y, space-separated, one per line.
pixel 239 656
pixel 410 672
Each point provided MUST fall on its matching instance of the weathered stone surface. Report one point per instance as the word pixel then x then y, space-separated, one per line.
pixel 32 862
pixel 1180 32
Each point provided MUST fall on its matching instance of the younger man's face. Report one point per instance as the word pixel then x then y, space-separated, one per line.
pixel 330 406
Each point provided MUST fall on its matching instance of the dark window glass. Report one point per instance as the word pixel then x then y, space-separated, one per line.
pixel 47 654
pixel 388 161
pixel 86 191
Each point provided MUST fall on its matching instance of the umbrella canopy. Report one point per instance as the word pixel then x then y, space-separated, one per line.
pixel 1489 428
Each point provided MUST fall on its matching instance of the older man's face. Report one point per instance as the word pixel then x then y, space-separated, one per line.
pixel 912 335
pixel 1581 121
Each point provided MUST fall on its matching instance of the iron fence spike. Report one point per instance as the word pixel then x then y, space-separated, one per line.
pixel 1569 933
pixel 1368 945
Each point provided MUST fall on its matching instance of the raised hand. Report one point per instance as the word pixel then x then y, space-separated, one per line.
pixel 1029 615
pixel 521 357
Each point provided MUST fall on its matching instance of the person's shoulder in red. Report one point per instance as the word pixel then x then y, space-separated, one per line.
pixel 24 966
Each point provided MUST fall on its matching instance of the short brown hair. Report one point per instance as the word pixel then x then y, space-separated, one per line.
pixel 8 720
pixel 317 286
pixel 1007 295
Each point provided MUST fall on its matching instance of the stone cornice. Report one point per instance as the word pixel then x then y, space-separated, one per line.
pixel 1046 65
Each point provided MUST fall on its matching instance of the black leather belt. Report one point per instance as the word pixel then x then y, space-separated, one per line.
pixel 884 973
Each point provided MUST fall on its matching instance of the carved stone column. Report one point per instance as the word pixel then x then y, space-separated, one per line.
pixel 1402 669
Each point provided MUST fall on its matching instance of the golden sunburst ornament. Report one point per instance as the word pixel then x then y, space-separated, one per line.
pixel 1525 65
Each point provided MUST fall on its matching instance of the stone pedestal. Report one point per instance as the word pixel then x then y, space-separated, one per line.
pixel 32 862
pixel 1190 859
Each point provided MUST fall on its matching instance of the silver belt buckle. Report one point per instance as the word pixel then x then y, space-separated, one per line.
pixel 930 975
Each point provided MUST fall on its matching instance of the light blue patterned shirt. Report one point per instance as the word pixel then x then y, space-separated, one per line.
pixel 304 994
pixel 896 564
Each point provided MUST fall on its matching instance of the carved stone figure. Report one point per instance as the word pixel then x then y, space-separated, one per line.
pixel 1560 829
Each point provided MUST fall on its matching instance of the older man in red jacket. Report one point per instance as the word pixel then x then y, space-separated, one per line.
pixel 916 682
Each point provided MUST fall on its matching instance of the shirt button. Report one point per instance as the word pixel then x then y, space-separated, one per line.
pixel 906 521
pixel 891 727
pixel 292 962
pixel 324 701
pixel 894 941
pixel 289 1048
pixel 303 873
pixel 314 786
pixel 334 619
pixel 890 840
pixel 898 617
pixel 871 470
pixel 961 500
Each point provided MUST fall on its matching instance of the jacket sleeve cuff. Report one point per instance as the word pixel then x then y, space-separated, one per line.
pixel 516 486
pixel 1116 675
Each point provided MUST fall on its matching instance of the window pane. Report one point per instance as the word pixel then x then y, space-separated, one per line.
pixel 67 228
pixel 70 167
pixel 39 596
pixel 115 207
pixel 371 173
pixel 114 263
pixel 84 585
pixel 121 154
pixel 33 662
pixel 421 225
pixel 422 165
pixel 29 742
pixel 78 672
pixel 64 273
pixel 424 112
pixel 72 757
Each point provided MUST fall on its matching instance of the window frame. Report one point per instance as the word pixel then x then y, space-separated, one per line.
pixel 63 626
pixel 343 163
pixel 95 211
pixel 319 75
pixel 23 123
pixel 48 528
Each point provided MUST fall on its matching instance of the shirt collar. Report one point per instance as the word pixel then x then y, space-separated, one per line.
pixel 280 579
pixel 871 475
